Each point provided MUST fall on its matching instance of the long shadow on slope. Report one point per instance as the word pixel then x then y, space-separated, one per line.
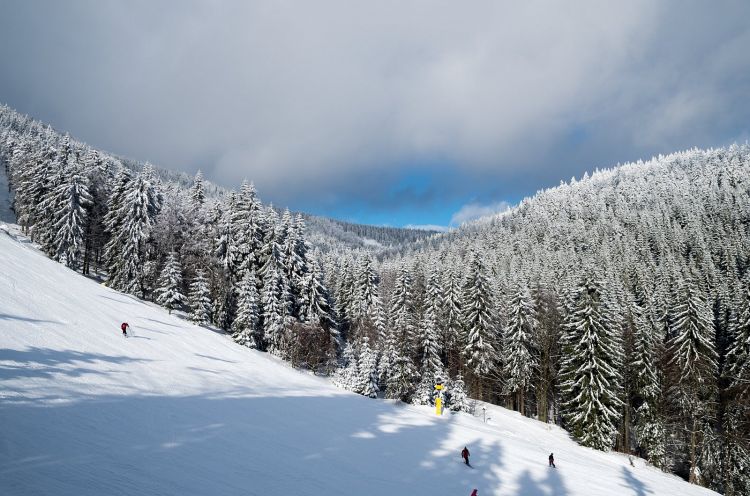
pixel 631 482
pixel 551 485
pixel 5 316
pixel 201 445
pixel 45 363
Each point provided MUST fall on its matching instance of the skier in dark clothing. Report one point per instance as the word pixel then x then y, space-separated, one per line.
pixel 124 326
pixel 552 461
pixel 474 493
pixel 465 455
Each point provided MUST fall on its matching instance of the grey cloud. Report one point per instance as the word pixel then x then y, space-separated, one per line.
pixel 309 98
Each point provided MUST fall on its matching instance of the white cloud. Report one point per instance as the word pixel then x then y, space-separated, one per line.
pixel 306 98
pixel 474 211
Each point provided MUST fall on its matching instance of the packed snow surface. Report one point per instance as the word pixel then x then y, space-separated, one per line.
pixel 181 410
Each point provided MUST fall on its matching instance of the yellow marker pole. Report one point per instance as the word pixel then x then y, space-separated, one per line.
pixel 438 400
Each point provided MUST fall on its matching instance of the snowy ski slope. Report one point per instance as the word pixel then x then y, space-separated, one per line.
pixel 181 410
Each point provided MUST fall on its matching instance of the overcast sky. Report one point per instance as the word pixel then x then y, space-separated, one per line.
pixel 383 112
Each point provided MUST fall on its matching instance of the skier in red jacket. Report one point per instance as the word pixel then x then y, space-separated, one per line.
pixel 474 493
pixel 124 326
pixel 465 455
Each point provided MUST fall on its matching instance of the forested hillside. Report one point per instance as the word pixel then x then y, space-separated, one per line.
pixel 617 306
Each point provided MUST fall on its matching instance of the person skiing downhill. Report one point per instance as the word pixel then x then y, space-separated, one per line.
pixel 124 326
pixel 465 455
pixel 552 461
pixel 474 493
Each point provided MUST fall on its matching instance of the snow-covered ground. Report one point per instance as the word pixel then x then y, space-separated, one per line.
pixel 179 409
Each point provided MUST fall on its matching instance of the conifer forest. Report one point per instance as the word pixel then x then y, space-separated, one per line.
pixel 616 305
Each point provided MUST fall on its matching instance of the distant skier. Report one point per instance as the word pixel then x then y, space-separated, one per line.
pixel 474 493
pixel 465 455
pixel 552 461
pixel 124 326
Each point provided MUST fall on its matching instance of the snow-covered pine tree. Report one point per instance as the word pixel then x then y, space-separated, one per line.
pixel 368 370
pixel 97 169
pixel 694 357
pixel 402 379
pixel 247 227
pixel 275 310
pixel 520 348
pixel 738 356
pixel 589 370
pixel 294 266
pixel 49 209
pixel 197 193
pixel 478 322
pixel 736 455
pixel 33 183
pixel 316 305
pixel 402 311
pixel 403 375
pixel 200 299
pixel 388 355
pixel 129 225
pixel 429 329
pixel 72 198
pixel 348 376
pixel 366 307
pixel 736 422
pixel 453 335
pixel 224 246
pixel 245 326
pixel 649 421
pixel 344 293
pixel 169 290
pixel 457 399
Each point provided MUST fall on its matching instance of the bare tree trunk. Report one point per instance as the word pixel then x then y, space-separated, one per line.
pixel 693 479
pixel 542 406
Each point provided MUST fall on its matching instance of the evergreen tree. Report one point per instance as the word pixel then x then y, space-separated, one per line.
pixel 129 226
pixel 453 334
pixel 402 311
pixel 169 292
pixel 72 199
pixel 589 371
pixel 316 305
pixel 694 357
pixel 368 370
pixel 197 194
pixel 738 356
pixel 649 422
pixel 520 349
pixel 402 379
pixel 348 376
pixel 246 323
pixel 478 320
pixel 366 306
pixel 200 299
pixel 247 234
pixel 457 400
pixel 275 311
pixel 429 330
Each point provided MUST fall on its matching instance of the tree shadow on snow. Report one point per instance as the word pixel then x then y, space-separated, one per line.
pixel 551 485
pixel 631 482
pixel 5 316
pixel 214 358
pixel 46 363
pixel 197 445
